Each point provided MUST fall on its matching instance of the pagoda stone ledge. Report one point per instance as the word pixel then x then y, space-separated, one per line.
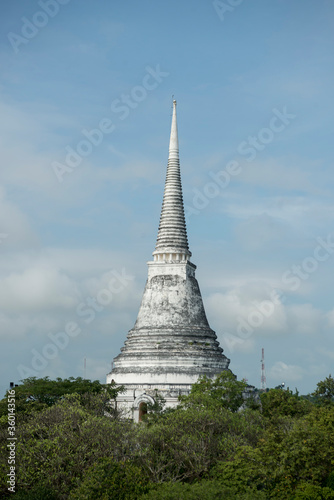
pixel 171 342
pixel 142 356
pixel 165 361
pixel 185 269
pixel 155 374
pixel 142 377
pixel 178 332
pixel 190 346
pixel 183 365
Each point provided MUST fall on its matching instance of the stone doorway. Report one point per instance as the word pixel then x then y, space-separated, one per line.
pixel 142 410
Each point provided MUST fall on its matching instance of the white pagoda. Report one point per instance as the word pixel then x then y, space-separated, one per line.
pixel 171 344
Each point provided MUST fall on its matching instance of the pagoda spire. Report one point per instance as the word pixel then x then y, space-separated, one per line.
pixel 171 344
pixel 172 241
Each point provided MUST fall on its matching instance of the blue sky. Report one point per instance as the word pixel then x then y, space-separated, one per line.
pixel 254 85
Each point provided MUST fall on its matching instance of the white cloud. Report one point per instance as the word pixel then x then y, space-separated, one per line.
pixel 245 314
pixel 13 327
pixel 26 325
pixel 130 169
pixel 273 173
pixel 15 225
pixel 261 231
pixel 41 290
pixel 45 288
pixel 305 319
pixel 291 210
pixel 330 318
pixel 37 289
pixel 254 311
pixel 282 372
pixel 22 133
pixel 81 263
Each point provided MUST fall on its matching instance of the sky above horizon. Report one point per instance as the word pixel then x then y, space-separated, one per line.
pixel 85 100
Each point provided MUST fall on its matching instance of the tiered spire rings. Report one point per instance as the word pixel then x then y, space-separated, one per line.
pixel 172 241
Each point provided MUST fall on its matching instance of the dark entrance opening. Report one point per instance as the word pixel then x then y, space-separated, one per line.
pixel 142 410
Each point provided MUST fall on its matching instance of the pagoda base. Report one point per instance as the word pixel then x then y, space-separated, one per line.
pixel 133 400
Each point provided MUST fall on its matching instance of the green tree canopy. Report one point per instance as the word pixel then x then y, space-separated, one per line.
pixel 224 391
pixel 111 480
pixel 280 402
pixel 68 446
pixel 36 394
pixel 324 392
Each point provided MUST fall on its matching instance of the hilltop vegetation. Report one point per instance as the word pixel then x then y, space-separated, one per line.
pixel 71 444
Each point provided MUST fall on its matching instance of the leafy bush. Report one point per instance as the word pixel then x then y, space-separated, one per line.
pixel 55 448
pixel 110 480
pixel 37 493
pixel 67 446
pixel 324 392
pixel 307 491
pixel 280 402
pixel 224 391
pixel 205 490
pixel 185 444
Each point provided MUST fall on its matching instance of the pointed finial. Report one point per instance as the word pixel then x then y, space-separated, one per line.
pixel 172 106
pixel 174 143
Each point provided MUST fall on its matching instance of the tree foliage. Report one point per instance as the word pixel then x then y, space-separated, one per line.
pixel 155 410
pixel 280 402
pixel 72 445
pixel 224 391
pixel 204 490
pixel 111 480
pixel 324 392
pixel 37 394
